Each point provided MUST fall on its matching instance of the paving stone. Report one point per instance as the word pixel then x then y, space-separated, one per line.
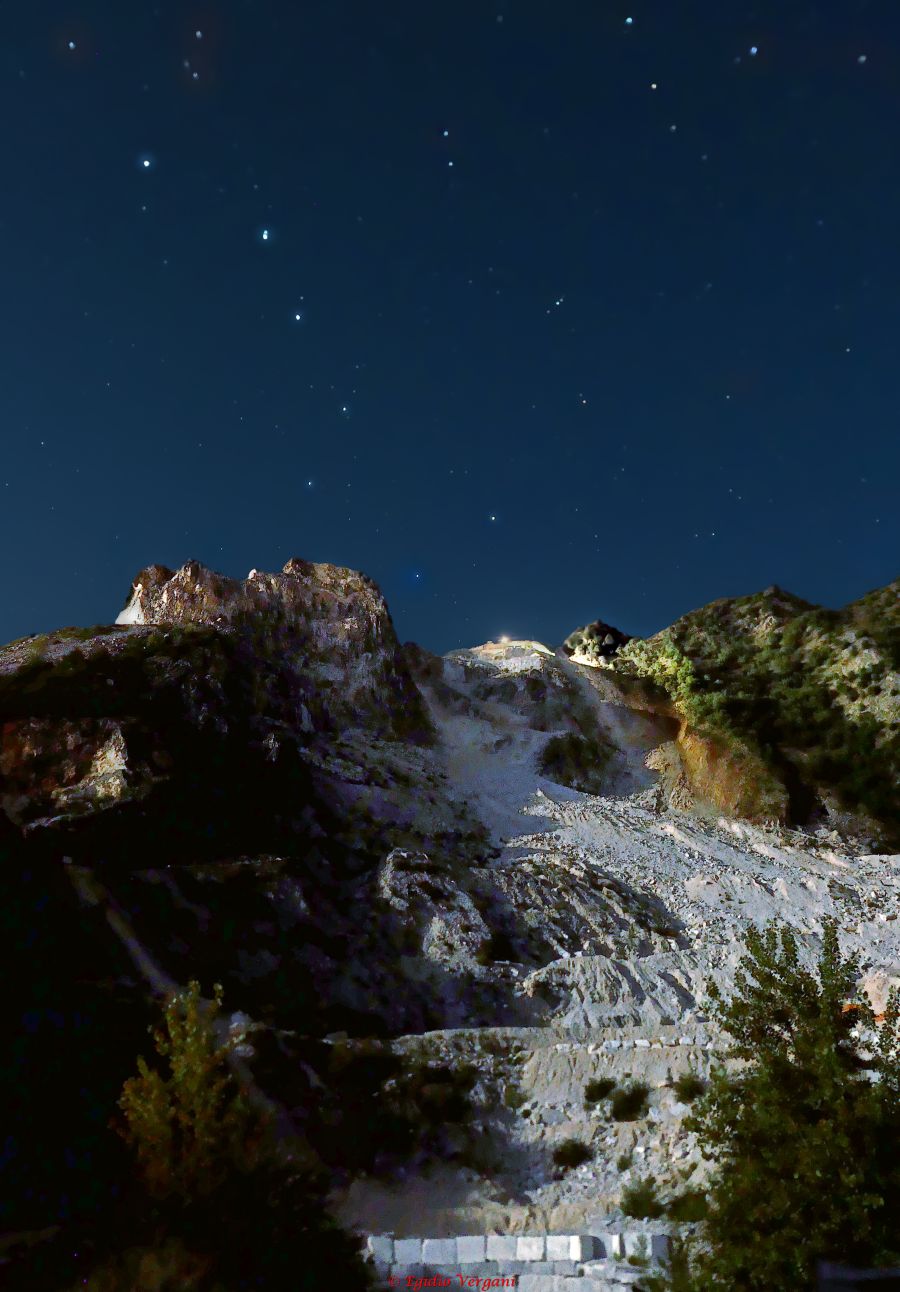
pixel 530 1249
pixel 558 1247
pixel 381 1248
pixel 439 1251
pixel 582 1247
pixel 501 1247
pixel 407 1251
pixel 471 1248
pixel 660 1245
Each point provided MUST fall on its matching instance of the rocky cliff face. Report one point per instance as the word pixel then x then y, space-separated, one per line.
pixel 389 857
pixel 323 631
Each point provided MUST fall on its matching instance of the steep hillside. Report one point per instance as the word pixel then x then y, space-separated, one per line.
pixel 807 698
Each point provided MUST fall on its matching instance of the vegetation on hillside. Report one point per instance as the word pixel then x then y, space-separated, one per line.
pixel 576 761
pixel 814 692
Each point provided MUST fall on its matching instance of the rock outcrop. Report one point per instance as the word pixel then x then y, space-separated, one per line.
pixel 324 632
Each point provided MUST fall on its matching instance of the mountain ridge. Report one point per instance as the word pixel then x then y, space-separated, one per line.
pixel 505 864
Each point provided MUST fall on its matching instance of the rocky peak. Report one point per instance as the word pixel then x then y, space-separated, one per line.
pixel 326 622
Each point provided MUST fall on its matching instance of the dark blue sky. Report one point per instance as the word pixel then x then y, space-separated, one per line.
pixel 634 349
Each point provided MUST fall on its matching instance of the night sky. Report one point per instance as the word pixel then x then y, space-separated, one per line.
pixel 534 312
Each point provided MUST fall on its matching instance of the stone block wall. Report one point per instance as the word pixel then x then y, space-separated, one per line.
pixel 530 1263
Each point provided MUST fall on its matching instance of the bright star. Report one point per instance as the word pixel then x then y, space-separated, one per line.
pixel 754 50
pixel 71 44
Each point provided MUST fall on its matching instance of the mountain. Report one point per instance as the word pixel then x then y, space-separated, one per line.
pixel 805 701
pixel 446 892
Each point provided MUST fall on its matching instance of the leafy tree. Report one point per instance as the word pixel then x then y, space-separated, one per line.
pixel 806 1134
pixel 190 1130
pixel 215 1208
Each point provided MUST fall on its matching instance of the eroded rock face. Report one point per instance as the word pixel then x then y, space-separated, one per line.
pixel 324 623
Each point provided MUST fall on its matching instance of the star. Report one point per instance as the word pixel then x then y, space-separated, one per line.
pixel 71 44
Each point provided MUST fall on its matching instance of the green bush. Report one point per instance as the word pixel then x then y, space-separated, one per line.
pixel 640 1200
pixel 598 1089
pixel 688 1087
pixel 630 1103
pixel 192 1128
pixel 513 1097
pixel 690 1205
pixel 575 761
pixel 623 1161
pixel 571 1153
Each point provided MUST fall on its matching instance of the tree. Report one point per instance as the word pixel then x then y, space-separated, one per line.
pixel 806 1134
pixel 190 1130
pixel 217 1210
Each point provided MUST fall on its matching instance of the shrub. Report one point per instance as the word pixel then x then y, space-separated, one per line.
pixel 513 1097
pixel 641 1257
pixel 640 1200
pixel 630 1103
pixel 688 1087
pixel 571 1153
pixel 191 1129
pixel 599 1088
pixel 623 1161
pixel 575 761
pixel 153 1269
pixel 690 1205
